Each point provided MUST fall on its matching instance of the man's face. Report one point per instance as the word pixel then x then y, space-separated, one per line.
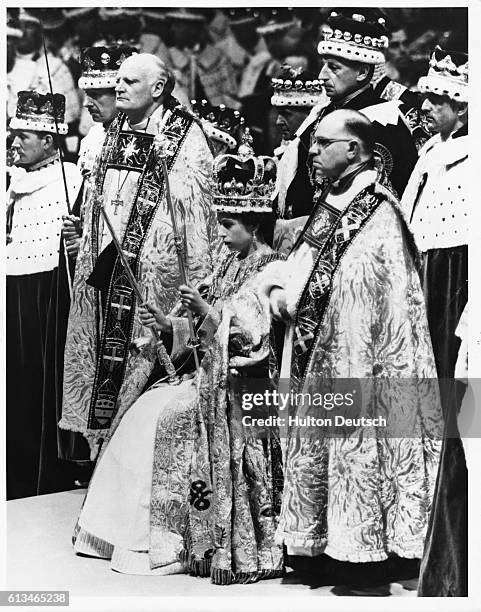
pixel 101 104
pixel 29 146
pixel 134 89
pixel 439 113
pixel 289 120
pixel 339 78
pixel 397 46
pixel 329 147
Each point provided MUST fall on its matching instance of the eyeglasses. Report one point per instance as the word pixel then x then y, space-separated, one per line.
pixel 325 142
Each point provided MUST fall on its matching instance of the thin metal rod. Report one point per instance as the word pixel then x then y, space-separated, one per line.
pixel 55 121
pixel 60 154
pixel 182 267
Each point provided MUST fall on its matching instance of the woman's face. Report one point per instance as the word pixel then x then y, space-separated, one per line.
pixel 235 235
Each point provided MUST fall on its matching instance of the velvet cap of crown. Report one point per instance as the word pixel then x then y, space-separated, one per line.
pixel 38 112
pixel 296 87
pixel 101 64
pixel 357 37
pixel 243 182
pixel 219 122
pixel 275 20
pixel 243 16
pixel 447 75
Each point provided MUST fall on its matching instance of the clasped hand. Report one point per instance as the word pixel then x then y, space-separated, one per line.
pixel 72 234
pixel 192 300
pixel 151 316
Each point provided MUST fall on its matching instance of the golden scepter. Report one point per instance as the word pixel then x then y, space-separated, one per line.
pixel 165 147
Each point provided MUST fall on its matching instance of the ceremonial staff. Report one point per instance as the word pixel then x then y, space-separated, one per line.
pixel 60 154
pixel 163 149
pixel 162 353
pixel 55 121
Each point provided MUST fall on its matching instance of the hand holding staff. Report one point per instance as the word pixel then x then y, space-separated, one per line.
pixel 163 149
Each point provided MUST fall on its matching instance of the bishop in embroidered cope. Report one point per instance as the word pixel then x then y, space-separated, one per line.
pixel 103 313
pixel 351 298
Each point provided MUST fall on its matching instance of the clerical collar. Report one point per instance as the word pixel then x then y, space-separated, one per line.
pixel 343 101
pixel 53 159
pixel 139 127
pixel 343 183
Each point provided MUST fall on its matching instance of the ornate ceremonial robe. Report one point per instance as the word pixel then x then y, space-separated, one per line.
pixel 101 378
pixel 214 489
pixel 353 291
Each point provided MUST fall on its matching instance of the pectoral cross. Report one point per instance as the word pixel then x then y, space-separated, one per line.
pixel 117 201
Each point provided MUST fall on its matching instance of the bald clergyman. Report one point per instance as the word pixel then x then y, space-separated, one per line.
pixel 101 377
pixel 356 501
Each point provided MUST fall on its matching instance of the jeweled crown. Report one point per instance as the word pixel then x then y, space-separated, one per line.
pixel 296 87
pixel 101 64
pixel 39 112
pixel 219 122
pixel 244 182
pixel 447 75
pixel 355 36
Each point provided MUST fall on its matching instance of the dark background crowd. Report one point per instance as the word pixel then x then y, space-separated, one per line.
pixel 234 62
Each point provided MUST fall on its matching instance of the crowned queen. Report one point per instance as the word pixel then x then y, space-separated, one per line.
pixel 204 516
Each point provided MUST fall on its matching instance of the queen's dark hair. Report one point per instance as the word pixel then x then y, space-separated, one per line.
pixel 263 222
